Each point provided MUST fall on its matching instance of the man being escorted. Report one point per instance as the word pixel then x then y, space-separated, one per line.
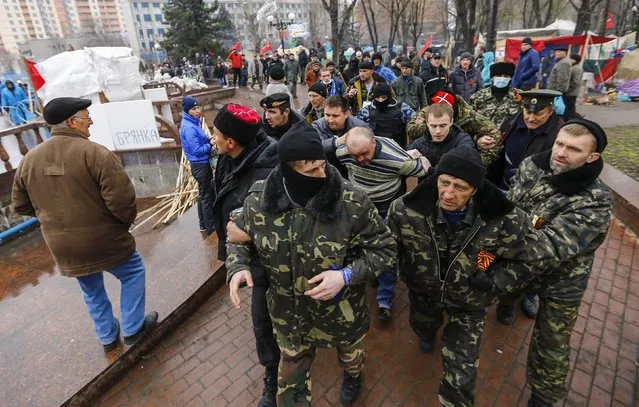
pixel 319 238
pixel 246 156
pixel 449 231
pixel 561 192
pixel 85 203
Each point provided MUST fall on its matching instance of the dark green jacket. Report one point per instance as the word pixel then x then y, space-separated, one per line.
pixel 575 208
pixel 498 228
pixel 339 227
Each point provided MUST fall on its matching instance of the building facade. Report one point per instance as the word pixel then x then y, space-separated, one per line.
pixel 22 21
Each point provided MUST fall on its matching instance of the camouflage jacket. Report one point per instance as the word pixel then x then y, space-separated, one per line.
pixel 498 233
pixel 473 123
pixel 575 207
pixel 497 110
pixel 339 227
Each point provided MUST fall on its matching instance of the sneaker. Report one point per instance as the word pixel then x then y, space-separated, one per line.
pixel 350 388
pixel 110 346
pixel 384 314
pixel 427 345
pixel 505 314
pixel 270 389
pixel 149 322
pixel 530 305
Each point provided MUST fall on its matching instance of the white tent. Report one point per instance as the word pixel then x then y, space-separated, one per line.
pixel 556 29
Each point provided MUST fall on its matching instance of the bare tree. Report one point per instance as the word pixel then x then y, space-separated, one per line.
pixel 415 15
pixel 371 24
pixel 491 25
pixel 337 26
pixel 249 11
pixel 465 28
pixel 395 9
pixel 584 14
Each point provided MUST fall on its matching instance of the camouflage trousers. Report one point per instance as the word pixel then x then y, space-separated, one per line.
pixel 294 379
pixel 461 341
pixel 549 353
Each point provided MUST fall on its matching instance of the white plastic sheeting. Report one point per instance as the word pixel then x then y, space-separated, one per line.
pixel 85 73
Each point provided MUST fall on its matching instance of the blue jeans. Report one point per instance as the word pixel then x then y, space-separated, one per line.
pixel 131 274
pixel 386 290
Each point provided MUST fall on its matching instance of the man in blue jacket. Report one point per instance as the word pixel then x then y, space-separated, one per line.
pixel 526 73
pixel 385 72
pixel 197 149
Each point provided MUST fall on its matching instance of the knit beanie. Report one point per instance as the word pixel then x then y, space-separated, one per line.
pixel 464 163
pixel 594 129
pixel 276 73
pixel 382 89
pixel 527 40
pixel 319 88
pixel 238 122
pixel 300 142
pixel 466 55
pixel 189 103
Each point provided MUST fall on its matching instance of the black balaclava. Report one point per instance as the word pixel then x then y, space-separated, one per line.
pixel 301 142
pixel 382 89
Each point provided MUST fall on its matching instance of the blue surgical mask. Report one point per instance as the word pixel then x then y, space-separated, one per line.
pixel 500 82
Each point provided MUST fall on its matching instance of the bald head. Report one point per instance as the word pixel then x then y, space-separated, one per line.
pixel 360 144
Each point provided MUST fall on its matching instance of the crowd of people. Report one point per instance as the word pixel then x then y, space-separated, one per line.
pixel 310 206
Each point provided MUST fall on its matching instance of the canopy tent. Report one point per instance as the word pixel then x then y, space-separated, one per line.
pixel 558 27
pixel 546 45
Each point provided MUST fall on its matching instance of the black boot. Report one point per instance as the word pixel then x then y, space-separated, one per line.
pixel 350 388
pixel 534 401
pixel 530 305
pixel 270 389
pixel 505 314
pixel 149 323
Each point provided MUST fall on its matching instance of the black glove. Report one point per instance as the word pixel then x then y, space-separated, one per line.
pixel 483 281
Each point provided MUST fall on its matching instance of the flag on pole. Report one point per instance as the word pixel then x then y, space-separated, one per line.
pixel 36 79
pixel 421 51
pixel 610 23
pixel 237 46
pixel 266 48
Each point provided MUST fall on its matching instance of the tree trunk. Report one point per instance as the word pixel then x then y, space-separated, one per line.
pixel 491 31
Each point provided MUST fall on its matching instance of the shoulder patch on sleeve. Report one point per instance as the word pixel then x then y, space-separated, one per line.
pixel 258 186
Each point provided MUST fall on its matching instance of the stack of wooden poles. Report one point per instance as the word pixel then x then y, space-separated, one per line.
pixel 172 206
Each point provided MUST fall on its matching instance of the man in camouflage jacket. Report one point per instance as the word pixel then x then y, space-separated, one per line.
pixel 560 191
pixel 483 132
pixel 499 101
pixel 450 230
pixel 318 237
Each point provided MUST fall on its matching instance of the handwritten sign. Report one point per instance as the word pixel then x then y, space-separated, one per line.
pixel 125 125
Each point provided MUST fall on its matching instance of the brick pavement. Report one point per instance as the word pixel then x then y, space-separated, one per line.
pixel 211 360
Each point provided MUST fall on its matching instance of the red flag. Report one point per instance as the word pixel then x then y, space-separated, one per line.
pixel 36 78
pixel 610 23
pixel 237 47
pixel 266 48
pixel 421 51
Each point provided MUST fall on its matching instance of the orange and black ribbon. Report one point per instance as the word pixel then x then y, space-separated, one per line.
pixel 484 260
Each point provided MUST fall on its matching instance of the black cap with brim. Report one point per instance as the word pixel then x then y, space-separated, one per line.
pixel 561 48
pixel 276 100
pixel 366 65
pixel 60 109
pixel 537 100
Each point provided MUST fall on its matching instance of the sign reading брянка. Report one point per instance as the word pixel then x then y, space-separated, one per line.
pixel 125 125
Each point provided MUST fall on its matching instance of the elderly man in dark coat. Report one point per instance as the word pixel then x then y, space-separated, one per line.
pixel 85 203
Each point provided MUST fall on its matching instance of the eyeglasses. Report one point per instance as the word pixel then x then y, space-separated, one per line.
pixel 81 118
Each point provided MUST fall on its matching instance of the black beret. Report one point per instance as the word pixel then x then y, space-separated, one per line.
pixel 502 68
pixel 366 65
pixel 60 109
pixel 276 100
pixel 595 130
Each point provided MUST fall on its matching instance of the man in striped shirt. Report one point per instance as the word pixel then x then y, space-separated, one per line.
pixel 379 166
